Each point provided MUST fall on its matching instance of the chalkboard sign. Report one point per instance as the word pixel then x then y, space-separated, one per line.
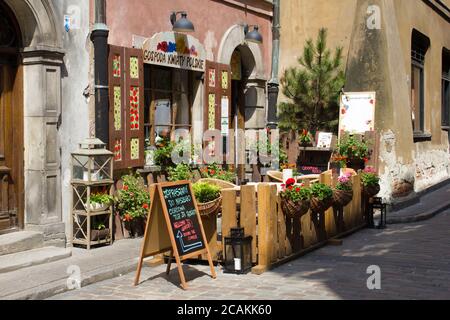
pixel 174 224
pixel 183 218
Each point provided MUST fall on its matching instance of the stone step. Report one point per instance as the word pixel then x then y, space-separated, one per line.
pixel 20 241
pixel 15 261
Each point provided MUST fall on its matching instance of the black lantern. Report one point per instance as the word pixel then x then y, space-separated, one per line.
pixel 182 24
pixel 238 252
pixel 376 203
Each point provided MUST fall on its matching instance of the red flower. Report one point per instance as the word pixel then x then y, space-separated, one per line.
pixel 291 187
pixel 212 171
pixel 125 188
pixel 290 181
pixel 127 217
pixel 366 160
pixel 297 189
pixel 145 206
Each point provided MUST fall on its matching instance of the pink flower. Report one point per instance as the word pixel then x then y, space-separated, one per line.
pixel 369 170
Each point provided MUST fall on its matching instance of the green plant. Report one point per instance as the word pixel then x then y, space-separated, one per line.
pixel 205 192
pixel 101 198
pixel 216 172
pixel 305 137
pixel 350 148
pixel 313 89
pixel 369 177
pixel 180 172
pixel 133 200
pixel 294 192
pixel 321 191
pixel 163 153
pixel 99 226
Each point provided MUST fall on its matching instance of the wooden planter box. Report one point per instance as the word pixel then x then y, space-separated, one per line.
pixel 99 234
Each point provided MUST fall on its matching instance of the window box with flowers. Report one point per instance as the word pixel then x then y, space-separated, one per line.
pixel 132 203
pixel 343 191
pixel 370 182
pixel 321 197
pixel 295 199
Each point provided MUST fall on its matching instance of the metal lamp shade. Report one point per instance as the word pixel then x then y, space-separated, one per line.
pixel 183 24
pixel 254 36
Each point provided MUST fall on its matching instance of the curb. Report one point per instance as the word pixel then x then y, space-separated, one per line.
pixel 60 286
pixel 419 217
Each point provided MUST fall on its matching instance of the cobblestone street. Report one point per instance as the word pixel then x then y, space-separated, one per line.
pixel 414 261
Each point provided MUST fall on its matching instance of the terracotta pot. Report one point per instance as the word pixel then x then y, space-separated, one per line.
pixel 371 191
pixel 318 205
pixel 342 198
pixel 294 209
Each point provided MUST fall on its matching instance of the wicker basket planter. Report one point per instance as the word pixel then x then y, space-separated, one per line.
pixel 341 198
pixel 371 191
pixel 210 208
pixel 294 209
pixel 318 205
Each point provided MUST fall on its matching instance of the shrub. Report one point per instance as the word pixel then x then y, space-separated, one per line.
pixel 206 192
pixel 369 177
pixel 321 191
pixel 180 172
pixel 216 172
pixel 133 200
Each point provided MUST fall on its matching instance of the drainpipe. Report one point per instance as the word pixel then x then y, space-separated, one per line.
pixel 273 85
pixel 99 37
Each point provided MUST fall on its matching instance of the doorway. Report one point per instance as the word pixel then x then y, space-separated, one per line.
pixel 11 125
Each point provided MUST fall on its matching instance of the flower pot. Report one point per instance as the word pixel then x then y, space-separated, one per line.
pixel 341 198
pixel 371 191
pixel 356 164
pixel 318 205
pixel 294 209
pixel 210 208
pixel 96 207
pixel 99 234
pixel 136 227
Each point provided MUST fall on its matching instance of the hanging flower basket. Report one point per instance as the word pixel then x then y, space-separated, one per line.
pixel 294 209
pixel 318 205
pixel 371 190
pixel 341 198
pixel 210 208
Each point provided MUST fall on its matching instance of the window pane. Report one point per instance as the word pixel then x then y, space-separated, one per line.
pixel 162 78
pixel 182 102
pixel 416 92
pixel 445 102
pixel 162 118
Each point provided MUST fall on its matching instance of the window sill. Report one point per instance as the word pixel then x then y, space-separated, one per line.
pixel 422 136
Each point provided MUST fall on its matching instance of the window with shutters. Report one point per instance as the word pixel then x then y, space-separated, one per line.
pixel 168 100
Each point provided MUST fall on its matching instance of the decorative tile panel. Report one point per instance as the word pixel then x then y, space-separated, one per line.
pixel 134 149
pixel 134 108
pixel 118 150
pixel 117 108
pixel 134 67
pixel 116 66
pixel 212 111
pixel 224 80
pixel 212 78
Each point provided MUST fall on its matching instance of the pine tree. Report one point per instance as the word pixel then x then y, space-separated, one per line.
pixel 313 89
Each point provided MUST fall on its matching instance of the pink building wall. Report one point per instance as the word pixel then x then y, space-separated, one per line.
pixel 211 20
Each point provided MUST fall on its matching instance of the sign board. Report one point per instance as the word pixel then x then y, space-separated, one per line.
pixel 175 50
pixel 174 224
pixel 324 140
pixel 357 112
pixel 311 169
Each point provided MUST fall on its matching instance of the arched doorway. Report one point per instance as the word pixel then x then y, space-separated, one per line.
pixel 11 124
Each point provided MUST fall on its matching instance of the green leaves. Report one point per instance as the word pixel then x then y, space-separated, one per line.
pixel 205 192
pixel 321 191
pixel 180 172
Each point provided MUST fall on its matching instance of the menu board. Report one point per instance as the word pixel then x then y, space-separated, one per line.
pixel 183 218
pixel 357 112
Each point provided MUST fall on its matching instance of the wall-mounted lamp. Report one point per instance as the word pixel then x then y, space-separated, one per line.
pixel 254 35
pixel 182 24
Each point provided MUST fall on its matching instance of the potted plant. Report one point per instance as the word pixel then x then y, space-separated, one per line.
pixel 99 232
pixel 214 171
pixel 208 196
pixel 162 156
pixel 343 191
pixel 354 152
pixel 321 197
pixel 132 203
pixel 305 138
pixel 370 182
pixel 295 199
pixel 99 201
pixel 179 172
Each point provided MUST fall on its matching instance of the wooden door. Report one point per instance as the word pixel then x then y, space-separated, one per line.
pixel 11 148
